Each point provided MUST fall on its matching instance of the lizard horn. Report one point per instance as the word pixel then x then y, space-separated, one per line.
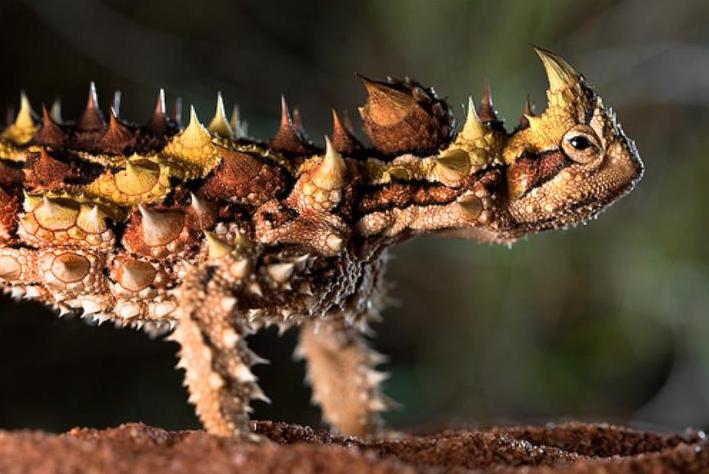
pixel 560 74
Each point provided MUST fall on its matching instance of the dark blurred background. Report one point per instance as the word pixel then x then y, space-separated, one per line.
pixel 605 322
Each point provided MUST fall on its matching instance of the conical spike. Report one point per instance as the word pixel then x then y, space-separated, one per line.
pixel 487 108
pixel 332 172
pixel 280 272
pixel 195 135
pixel 117 137
pixel 159 228
pixel 343 140
pixel 70 267
pixel 158 122
pixel 527 111
pixel 116 103
pixel 93 220
pixel 386 104
pixel 290 138
pixel 216 247
pixel 199 206
pixel 24 120
pixel 92 117
pixel 219 123
pixel 137 276
pixel 286 118
pixel 559 73
pixel 56 110
pixel 473 128
pixel 51 133
pixel 238 126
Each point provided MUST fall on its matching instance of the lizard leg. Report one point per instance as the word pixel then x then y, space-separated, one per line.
pixel 340 367
pixel 214 353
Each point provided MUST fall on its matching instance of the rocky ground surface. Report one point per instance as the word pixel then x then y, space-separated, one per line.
pixel 562 448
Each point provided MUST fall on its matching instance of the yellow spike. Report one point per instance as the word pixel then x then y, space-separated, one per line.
pixel 216 247
pixel 92 219
pixel 24 119
pixel 219 123
pixel 53 215
pixel 473 128
pixel 332 172
pixel 559 73
pixel 470 206
pixel 195 135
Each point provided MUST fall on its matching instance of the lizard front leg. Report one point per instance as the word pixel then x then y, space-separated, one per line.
pixel 213 350
pixel 340 368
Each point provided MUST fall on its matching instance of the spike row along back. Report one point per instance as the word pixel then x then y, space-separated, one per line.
pixel 215 235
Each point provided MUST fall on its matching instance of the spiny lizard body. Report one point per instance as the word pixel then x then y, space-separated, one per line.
pixel 208 235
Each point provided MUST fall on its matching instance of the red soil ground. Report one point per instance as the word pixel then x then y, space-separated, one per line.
pixel 563 448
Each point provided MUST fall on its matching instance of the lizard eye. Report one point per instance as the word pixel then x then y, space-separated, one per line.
pixel 581 144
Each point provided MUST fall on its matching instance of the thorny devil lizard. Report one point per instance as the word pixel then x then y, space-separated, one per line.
pixel 208 235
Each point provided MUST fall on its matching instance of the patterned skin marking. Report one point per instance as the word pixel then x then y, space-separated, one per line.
pixel 208 235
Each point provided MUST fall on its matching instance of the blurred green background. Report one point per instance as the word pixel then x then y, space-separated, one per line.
pixel 602 322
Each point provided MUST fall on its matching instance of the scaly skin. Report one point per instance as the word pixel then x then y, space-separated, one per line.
pixel 215 235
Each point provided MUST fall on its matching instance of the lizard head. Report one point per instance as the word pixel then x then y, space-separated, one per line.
pixel 567 164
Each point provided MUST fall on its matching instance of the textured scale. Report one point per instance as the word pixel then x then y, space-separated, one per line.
pixel 208 235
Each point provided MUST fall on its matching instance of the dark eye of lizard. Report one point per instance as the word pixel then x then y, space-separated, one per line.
pixel 580 142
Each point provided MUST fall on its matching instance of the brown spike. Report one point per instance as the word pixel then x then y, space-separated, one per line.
pixel 91 118
pixel 527 111
pixel 117 138
pixel 51 133
pixel 46 172
pixel 402 117
pixel 290 137
pixel 158 123
pixel 343 140
pixel 487 108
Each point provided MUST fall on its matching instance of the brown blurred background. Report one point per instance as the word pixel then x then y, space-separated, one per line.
pixel 603 322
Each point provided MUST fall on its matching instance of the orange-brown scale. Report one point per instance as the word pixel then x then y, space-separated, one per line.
pixel 9 210
pixel 18 266
pixel 71 271
pixel 244 178
pixel 51 171
pixel 168 235
pixel 140 286
pixel 403 116
pixel 65 222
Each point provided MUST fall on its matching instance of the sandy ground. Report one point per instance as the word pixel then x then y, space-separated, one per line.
pixel 567 448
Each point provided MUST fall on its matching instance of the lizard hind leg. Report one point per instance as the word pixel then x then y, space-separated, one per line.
pixel 340 368
pixel 213 351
